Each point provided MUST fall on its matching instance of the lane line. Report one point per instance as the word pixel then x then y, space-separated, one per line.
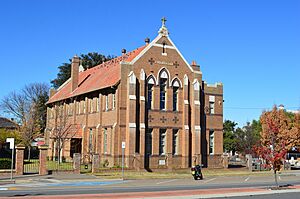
pixel 166 181
pixel 279 177
pixel 209 180
pixel 3 189
pixel 247 179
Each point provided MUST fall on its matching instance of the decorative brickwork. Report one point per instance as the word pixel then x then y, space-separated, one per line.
pixel 142 98
pixel 20 159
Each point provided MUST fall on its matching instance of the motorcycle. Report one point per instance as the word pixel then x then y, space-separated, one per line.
pixel 196 172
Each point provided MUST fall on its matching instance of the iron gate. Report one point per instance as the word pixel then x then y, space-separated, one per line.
pixel 31 160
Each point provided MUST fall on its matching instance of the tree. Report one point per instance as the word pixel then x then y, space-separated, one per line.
pixel 63 129
pixel 4 133
pixel 88 61
pixel 29 110
pixel 229 141
pixel 247 137
pixel 279 134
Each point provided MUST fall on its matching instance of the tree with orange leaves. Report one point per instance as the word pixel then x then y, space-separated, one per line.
pixel 279 134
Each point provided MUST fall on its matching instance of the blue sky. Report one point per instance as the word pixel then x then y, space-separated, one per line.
pixel 253 47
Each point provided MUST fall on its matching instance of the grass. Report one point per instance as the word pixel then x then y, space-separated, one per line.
pixel 186 173
pixel 63 166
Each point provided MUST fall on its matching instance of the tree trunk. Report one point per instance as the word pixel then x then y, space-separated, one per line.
pixel 275 176
pixel 29 153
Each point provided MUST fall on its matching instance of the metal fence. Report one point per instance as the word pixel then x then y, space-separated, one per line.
pixel 31 160
pixel 55 165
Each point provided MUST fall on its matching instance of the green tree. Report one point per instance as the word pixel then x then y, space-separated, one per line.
pixel 247 137
pixel 229 141
pixel 4 133
pixel 88 61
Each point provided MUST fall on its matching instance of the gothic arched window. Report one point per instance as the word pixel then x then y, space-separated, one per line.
pixel 150 85
pixel 175 95
pixel 163 80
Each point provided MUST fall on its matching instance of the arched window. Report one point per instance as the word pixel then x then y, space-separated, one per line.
pixel 150 84
pixel 175 95
pixel 163 80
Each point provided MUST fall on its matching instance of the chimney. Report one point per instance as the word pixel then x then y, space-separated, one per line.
pixel 281 107
pixel 52 92
pixel 74 73
pixel 123 51
pixel 147 41
pixel 195 66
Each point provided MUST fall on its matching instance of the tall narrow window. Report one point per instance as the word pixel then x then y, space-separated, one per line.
pixel 105 140
pixel 150 96
pixel 149 141
pixel 83 106
pixel 106 103
pixel 162 141
pixel 212 104
pixel 78 107
pixel 211 141
pixel 175 142
pixel 175 98
pixel 164 52
pixel 97 104
pixel 113 101
pixel 91 141
pixel 91 105
pixel 163 86
pixel 212 107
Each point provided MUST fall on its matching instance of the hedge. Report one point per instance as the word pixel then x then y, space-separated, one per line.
pixel 5 163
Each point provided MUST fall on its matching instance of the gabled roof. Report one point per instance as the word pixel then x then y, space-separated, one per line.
pixel 7 124
pixel 102 76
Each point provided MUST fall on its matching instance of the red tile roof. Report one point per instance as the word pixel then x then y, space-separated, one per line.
pixel 102 76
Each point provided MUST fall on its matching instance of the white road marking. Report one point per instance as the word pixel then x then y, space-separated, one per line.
pixel 166 181
pixel 209 180
pixel 3 189
pixel 247 179
pixel 279 177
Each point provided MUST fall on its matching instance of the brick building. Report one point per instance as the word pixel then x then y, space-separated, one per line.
pixel 151 99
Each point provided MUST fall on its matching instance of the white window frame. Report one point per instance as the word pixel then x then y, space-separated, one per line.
pixel 211 141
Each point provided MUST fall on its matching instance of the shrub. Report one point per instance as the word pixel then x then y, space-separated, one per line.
pixel 5 163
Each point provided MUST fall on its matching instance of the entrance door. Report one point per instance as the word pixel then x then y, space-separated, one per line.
pixel 75 146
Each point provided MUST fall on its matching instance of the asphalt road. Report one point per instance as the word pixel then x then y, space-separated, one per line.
pixel 271 196
pixel 44 187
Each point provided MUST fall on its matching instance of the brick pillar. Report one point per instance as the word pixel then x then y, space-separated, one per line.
pixel 225 161
pixel 185 136
pixel 142 119
pixel 195 123
pixel 76 163
pixel 95 163
pixel 43 160
pixel 20 159
pixel 130 120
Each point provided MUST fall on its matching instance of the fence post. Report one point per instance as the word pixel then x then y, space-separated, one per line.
pixel 225 161
pixel 76 163
pixel 19 168
pixel 249 161
pixel 43 160
pixel 95 163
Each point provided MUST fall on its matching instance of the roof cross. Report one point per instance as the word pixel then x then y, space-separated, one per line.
pixel 163 20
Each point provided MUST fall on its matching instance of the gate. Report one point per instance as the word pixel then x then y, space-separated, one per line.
pixel 86 164
pixel 31 160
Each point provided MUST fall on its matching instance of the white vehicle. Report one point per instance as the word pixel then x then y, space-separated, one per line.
pixel 294 160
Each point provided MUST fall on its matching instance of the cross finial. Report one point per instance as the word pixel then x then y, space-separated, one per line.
pixel 163 30
pixel 163 20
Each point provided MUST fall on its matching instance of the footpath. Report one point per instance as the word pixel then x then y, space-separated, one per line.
pixel 39 182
